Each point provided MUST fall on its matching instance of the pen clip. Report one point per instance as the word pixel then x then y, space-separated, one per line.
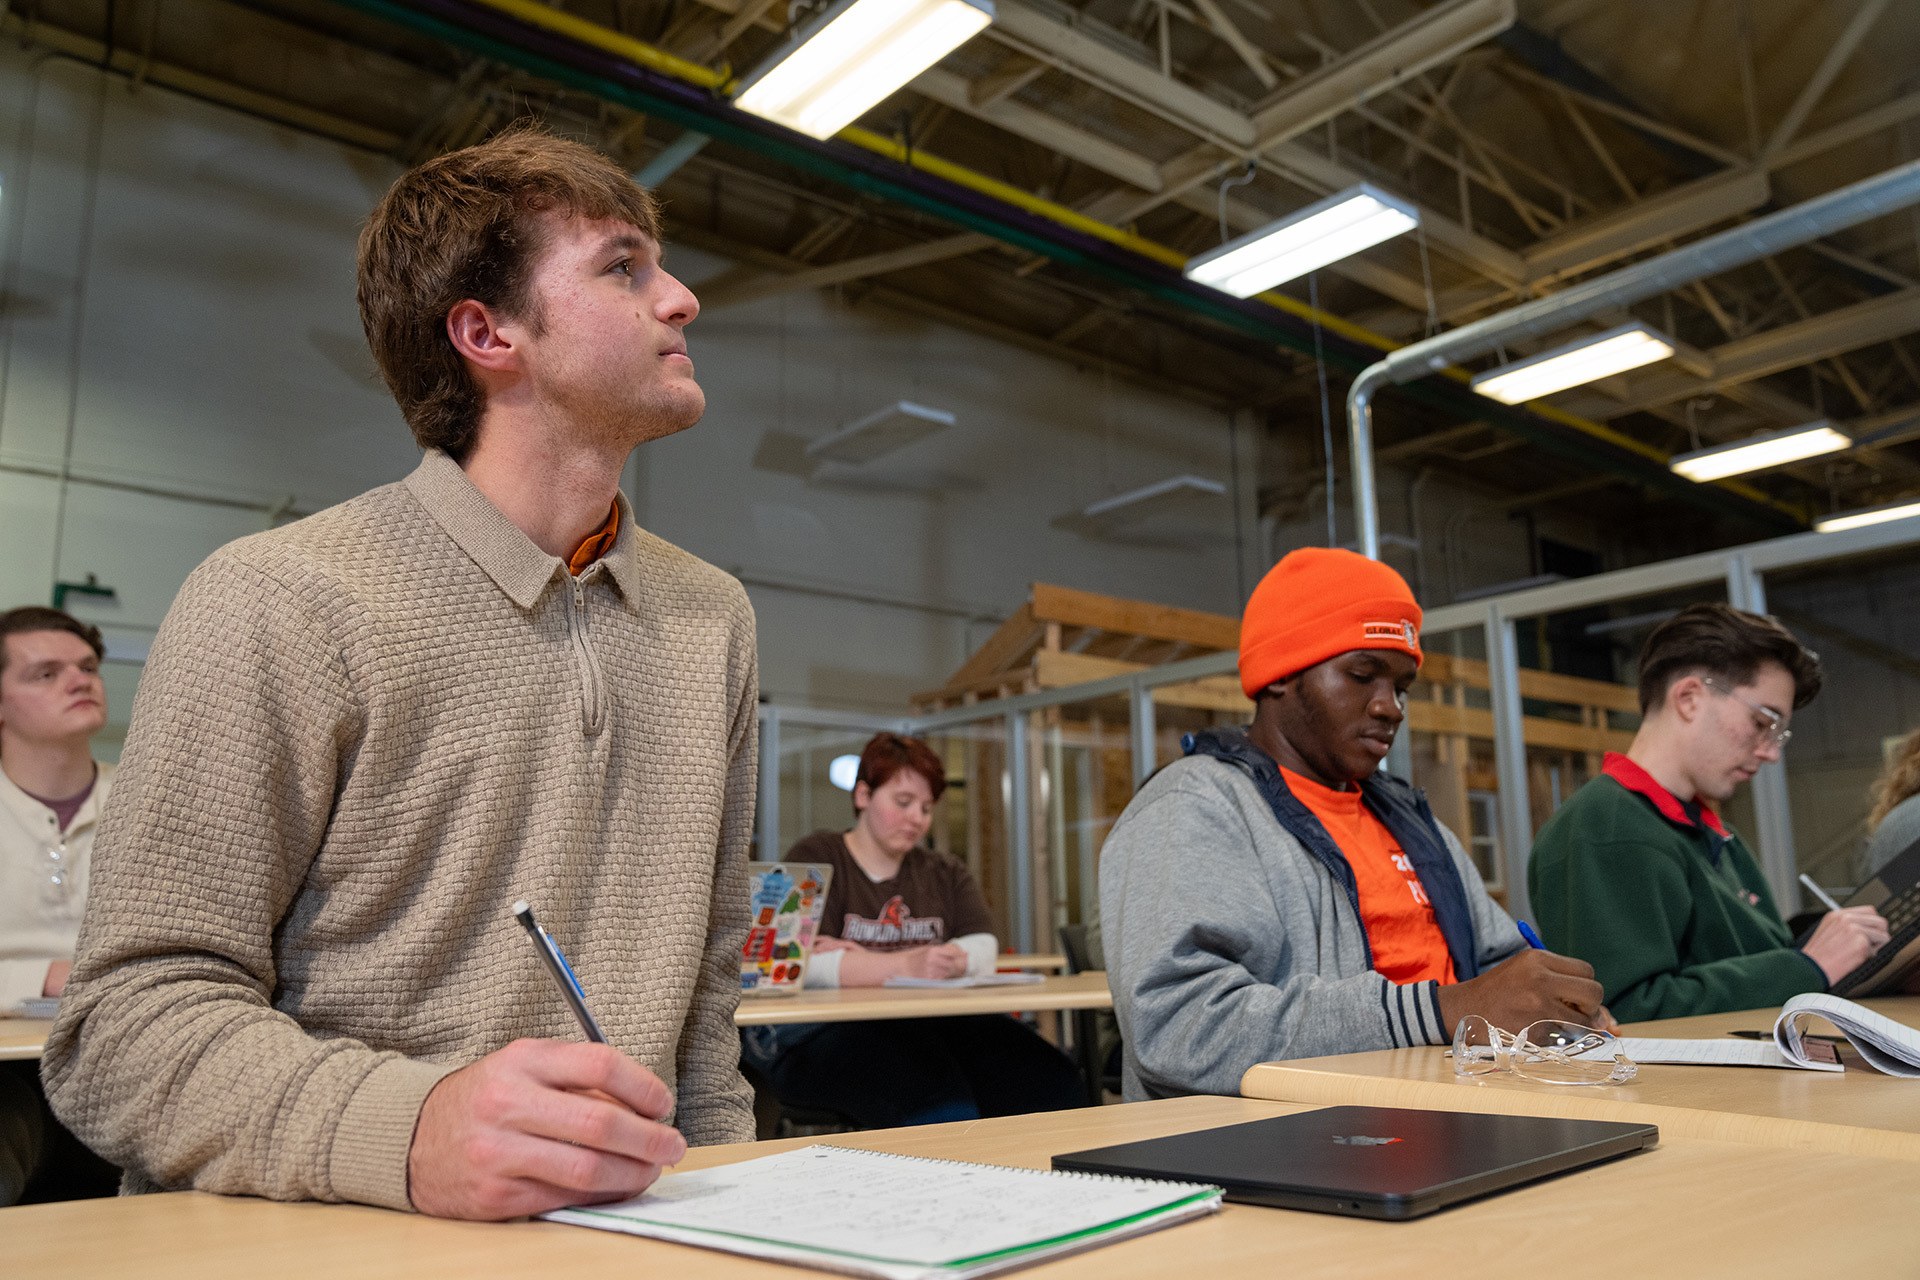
pixel 561 972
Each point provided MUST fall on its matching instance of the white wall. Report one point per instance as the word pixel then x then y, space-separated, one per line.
pixel 179 317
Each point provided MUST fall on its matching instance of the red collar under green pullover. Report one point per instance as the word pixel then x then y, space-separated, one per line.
pixel 1663 900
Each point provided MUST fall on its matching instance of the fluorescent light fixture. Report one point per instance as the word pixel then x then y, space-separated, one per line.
pixel 1161 495
pixel 844 771
pixel 1757 453
pixel 1181 510
pixel 1577 363
pixel 880 432
pixel 853 55
pixel 1868 515
pixel 1335 228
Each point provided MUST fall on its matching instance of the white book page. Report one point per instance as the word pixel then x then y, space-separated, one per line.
pixel 970 980
pixel 1885 1044
pixel 880 1214
pixel 1727 1052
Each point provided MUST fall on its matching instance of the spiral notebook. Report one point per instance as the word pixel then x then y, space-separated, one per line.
pixel 867 1213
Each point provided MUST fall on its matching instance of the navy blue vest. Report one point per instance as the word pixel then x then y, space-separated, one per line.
pixel 1401 806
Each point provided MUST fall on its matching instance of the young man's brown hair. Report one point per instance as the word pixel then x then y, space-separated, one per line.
pixel 1722 641
pixel 469 225
pixel 34 617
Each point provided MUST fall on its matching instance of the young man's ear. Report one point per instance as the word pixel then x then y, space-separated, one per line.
pixel 862 796
pixel 1684 697
pixel 475 329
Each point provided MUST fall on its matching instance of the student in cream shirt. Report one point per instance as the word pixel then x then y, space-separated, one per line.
pixel 52 702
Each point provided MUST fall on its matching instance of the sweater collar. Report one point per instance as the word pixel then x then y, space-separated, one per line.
pixel 1669 806
pixel 498 546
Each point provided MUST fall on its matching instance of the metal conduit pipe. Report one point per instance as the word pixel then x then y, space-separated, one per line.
pixel 618 68
pixel 1849 206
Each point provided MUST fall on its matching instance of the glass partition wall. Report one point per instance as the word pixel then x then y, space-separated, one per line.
pixel 1520 698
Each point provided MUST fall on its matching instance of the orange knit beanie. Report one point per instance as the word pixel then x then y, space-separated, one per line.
pixel 1317 603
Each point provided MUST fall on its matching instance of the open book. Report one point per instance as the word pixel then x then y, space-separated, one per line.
pixel 1885 1044
pixel 970 980
pixel 866 1213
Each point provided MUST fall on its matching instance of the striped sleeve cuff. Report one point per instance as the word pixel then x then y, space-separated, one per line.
pixel 1413 1014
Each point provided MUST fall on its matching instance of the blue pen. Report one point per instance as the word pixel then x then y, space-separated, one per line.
pixel 1533 939
pixel 562 972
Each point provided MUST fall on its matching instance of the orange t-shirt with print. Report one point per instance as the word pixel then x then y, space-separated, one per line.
pixel 1394 908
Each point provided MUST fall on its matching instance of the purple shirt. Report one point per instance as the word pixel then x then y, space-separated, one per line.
pixel 64 810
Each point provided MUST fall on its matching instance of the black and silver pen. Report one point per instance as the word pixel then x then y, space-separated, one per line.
pixel 562 972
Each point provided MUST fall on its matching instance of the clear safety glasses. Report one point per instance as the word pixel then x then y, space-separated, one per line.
pixel 1547 1051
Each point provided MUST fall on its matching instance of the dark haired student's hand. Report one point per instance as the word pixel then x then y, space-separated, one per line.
pixel 1526 988
pixel 1844 940
pixel 942 961
pixel 539 1125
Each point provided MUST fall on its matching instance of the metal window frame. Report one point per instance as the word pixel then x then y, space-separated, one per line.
pixel 1741 570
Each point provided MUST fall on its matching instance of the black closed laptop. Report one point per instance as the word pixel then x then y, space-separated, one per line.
pixel 1370 1162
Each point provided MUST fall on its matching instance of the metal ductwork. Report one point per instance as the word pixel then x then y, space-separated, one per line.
pixel 618 68
pixel 1849 206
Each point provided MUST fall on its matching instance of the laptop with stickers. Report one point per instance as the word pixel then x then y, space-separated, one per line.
pixel 784 902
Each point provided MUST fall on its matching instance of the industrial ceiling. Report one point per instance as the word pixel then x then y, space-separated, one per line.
pixel 1043 183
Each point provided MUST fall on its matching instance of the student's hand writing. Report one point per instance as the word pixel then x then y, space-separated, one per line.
pixel 539 1125
pixel 943 961
pixel 1526 988
pixel 1843 940
pixel 823 944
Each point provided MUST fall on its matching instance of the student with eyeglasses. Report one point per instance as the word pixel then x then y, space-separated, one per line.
pixel 1638 874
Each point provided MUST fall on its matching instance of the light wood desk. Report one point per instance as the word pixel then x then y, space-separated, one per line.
pixel 1050 963
pixel 1904 1010
pixel 26 1037
pixel 1688 1208
pixel 867 1004
pixel 1859 1111
pixel 23 1038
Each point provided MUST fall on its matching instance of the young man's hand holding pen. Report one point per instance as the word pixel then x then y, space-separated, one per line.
pixel 539 1125
pixel 542 1124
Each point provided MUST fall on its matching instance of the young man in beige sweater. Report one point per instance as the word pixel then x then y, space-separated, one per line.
pixel 362 736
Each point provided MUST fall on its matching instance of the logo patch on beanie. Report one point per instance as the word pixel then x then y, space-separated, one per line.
pixel 1401 632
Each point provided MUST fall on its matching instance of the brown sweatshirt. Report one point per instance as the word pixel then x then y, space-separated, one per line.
pixel 359 739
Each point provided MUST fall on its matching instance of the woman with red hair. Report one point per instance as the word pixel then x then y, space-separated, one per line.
pixel 895 907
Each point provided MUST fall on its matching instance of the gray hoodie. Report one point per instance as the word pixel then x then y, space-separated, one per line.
pixel 1229 943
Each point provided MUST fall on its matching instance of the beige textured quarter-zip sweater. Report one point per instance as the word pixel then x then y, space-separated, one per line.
pixel 358 740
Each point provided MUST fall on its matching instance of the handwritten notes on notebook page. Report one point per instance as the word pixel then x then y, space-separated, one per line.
pixel 897 1217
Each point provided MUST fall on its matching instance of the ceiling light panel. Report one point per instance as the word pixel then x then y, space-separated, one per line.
pixel 880 432
pixel 1628 346
pixel 853 56
pixel 1335 228
pixel 1757 453
pixel 1867 515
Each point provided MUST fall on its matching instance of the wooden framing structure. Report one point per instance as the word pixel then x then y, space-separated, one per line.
pixel 1061 637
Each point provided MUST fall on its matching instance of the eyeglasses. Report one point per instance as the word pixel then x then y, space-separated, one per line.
pixel 1768 722
pixel 1548 1052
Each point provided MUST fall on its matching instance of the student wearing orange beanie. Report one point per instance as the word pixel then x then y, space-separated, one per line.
pixel 1276 895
